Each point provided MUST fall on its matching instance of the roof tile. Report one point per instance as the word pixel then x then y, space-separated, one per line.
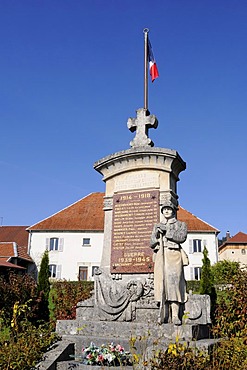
pixel 17 234
pixel 87 214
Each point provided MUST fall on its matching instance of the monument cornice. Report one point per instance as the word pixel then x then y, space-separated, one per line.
pixel 140 158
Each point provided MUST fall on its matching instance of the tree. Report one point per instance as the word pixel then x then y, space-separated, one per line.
pixel 207 281
pixel 44 286
pixel 224 271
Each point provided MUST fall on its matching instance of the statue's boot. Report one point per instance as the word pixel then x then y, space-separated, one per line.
pixel 175 313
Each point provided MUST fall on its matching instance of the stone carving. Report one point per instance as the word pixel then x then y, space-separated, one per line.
pixel 115 300
pixel 141 124
pixel 169 259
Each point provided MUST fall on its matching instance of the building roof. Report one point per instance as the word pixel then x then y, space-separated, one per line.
pixel 17 234
pixel 239 238
pixel 194 223
pixel 4 263
pixel 11 249
pixel 87 214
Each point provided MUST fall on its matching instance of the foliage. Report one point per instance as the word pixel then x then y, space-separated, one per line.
pixel 105 355
pixel 43 277
pixel 207 281
pixel 23 344
pixel 230 354
pixel 224 271
pixel 179 356
pixel 65 295
pixel 231 314
pixel 44 287
pixel 22 289
pixel 193 285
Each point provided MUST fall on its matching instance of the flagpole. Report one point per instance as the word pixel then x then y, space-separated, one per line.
pixel 145 31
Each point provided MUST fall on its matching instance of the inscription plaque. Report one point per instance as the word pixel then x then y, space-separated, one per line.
pixel 134 215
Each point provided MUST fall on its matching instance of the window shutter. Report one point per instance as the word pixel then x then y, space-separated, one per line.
pixel 190 246
pixel 61 242
pixel 58 272
pixel 191 273
pixel 47 242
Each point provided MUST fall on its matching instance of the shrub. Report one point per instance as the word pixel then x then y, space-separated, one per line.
pixel 66 294
pixel 18 288
pixel 180 356
pixel 231 313
pixel 22 350
pixel 22 344
pixel 224 271
pixel 193 285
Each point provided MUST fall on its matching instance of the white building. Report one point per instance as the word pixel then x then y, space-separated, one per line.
pixel 74 239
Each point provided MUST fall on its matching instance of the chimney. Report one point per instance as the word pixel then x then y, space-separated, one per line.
pixel 228 235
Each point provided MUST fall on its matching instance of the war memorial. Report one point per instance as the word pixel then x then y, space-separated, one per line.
pixel 140 291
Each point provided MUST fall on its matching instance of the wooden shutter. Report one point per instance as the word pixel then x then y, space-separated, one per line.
pixel 58 272
pixel 47 242
pixel 190 246
pixel 192 273
pixel 60 245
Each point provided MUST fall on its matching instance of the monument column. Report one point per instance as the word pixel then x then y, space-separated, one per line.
pixel 138 181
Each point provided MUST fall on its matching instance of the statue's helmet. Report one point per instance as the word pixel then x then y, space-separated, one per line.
pixel 168 203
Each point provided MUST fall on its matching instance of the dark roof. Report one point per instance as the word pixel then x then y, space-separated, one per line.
pixel 6 264
pixel 87 214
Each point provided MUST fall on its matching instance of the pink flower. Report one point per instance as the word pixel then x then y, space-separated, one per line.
pixel 100 358
pixel 119 348
pixel 89 356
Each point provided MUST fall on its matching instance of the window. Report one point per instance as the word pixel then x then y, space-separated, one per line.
pixel 83 273
pixel 197 273
pixel 243 251
pixel 197 245
pixel 93 269
pixel 55 271
pixel 53 244
pixel 86 242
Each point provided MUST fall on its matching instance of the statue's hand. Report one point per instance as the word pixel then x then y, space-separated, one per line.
pixel 160 229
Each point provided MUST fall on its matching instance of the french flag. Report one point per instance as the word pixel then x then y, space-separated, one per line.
pixel 153 70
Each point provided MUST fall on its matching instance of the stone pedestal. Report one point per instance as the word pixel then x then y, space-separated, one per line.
pixel 140 169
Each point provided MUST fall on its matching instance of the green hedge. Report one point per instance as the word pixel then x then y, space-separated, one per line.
pixel 193 285
pixel 65 295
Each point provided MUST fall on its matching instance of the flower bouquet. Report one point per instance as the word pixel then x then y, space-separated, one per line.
pixel 108 355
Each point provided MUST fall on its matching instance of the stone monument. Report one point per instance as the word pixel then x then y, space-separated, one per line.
pixel 135 293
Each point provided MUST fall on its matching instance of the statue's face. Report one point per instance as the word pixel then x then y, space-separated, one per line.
pixel 167 212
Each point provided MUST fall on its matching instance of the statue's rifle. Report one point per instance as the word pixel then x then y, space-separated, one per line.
pixel 163 290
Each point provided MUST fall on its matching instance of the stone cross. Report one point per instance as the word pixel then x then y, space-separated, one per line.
pixel 141 124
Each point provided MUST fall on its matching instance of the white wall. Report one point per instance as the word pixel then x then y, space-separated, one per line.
pixel 195 258
pixel 72 253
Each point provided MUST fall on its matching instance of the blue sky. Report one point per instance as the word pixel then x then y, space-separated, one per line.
pixel 71 75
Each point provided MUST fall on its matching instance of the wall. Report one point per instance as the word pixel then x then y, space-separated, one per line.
pixel 234 253
pixel 72 253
